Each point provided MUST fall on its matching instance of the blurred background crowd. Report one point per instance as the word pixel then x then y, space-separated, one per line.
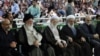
pixel 13 9
pixel 47 8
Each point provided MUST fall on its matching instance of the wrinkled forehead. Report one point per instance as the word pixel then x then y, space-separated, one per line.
pixel 5 22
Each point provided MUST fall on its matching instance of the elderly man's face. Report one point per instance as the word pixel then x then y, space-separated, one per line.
pixel 71 21
pixel 6 25
pixel 54 22
pixel 88 20
pixel 29 22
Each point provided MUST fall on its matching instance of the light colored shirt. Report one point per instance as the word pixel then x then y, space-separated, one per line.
pixel 34 11
pixel 21 15
pixel 1 12
pixel 69 9
pixel 15 8
pixel 32 36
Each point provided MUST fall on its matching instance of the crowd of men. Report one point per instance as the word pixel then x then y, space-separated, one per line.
pixel 71 40
pixel 47 8
pixel 68 41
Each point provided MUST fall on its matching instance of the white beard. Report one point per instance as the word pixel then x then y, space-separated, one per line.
pixel 71 25
pixel 29 27
pixel 52 25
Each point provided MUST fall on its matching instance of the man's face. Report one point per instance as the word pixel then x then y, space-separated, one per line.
pixel 71 21
pixel 6 25
pixel 34 3
pixel 29 22
pixel 54 22
pixel 10 16
pixel 88 20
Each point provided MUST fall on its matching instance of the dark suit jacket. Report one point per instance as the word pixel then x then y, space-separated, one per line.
pixel 66 31
pixel 98 28
pixel 85 31
pixel 6 39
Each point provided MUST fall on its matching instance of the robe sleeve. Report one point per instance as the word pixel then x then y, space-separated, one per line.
pixel 48 36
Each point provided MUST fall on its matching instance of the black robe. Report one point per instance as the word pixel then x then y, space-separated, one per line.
pixel 88 31
pixel 81 48
pixel 22 40
pixel 49 40
pixel 25 48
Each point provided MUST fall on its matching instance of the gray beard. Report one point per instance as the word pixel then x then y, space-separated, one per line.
pixel 29 27
pixel 71 25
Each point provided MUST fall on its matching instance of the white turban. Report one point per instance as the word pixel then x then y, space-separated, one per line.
pixel 55 17
pixel 70 17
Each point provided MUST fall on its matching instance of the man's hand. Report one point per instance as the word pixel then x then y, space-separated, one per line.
pixel 83 39
pixel 36 43
pixel 64 43
pixel 70 39
pixel 61 45
pixel 96 36
pixel 13 44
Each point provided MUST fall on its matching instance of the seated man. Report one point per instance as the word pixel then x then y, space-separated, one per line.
pixel 98 25
pixel 30 39
pixel 51 37
pixel 72 33
pixel 88 31
pixel 7 39
pixel 10 16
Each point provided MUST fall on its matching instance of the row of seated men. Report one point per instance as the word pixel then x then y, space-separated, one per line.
pixel 69 41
